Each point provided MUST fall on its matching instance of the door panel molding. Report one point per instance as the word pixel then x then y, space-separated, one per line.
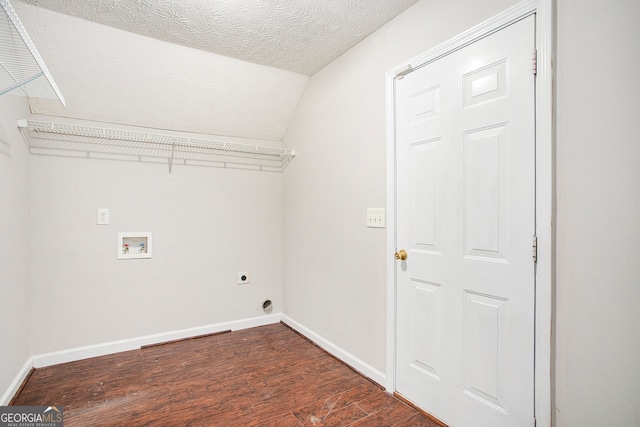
pixel 543 11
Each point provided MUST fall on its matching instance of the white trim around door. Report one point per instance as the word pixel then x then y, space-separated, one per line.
pixel 543 10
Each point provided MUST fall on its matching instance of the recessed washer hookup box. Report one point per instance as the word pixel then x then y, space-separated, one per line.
pixel 134 245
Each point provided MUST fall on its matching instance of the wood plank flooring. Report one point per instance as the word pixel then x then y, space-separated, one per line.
pixel 266 376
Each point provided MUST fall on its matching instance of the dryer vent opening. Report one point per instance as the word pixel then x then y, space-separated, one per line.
pixel 267 306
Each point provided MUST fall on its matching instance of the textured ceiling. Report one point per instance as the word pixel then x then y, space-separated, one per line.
pixel 295 35
pixel 112 76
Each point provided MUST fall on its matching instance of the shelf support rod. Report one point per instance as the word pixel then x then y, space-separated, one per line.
pixel 173 149
pixel 28 43
pixel 22 83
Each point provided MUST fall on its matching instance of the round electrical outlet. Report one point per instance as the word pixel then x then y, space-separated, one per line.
pixel 243 277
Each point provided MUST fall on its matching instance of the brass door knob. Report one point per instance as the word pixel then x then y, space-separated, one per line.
pixel 401 255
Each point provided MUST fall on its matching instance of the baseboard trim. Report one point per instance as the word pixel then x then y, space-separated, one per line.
pixel 17 382
pixel 86 352
pixel 348 358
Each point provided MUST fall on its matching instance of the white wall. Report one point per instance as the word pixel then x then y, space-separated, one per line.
pixel 207 225
pixel 334 266
pixel 15 301
pixel 598 213
pixel 114 76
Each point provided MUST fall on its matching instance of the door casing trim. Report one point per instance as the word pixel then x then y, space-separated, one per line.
pixel 544 192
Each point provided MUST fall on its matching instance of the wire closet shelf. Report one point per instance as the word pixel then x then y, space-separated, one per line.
pixel 64 139
pixel 22 69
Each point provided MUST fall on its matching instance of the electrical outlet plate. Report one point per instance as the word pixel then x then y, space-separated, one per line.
pixel 376 218
pixel 243 277
pixel 103 217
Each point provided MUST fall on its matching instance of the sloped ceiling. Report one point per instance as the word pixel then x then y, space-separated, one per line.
pixel 224 67
pixel 296 35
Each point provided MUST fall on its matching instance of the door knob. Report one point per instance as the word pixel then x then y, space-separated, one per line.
pixel 401 255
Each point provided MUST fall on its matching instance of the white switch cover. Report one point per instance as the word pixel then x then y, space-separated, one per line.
pixel 375 218
pixel 103 217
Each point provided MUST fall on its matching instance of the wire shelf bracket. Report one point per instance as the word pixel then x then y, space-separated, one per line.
pixel 66 139
pixel 21 66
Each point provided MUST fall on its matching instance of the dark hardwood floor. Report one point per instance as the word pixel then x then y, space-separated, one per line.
pixel 265 376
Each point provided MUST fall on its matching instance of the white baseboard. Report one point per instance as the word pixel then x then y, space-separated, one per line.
pixel 79 353
pixel 348 358
pixel 17 382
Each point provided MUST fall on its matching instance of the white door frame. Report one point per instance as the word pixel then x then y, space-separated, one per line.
pixel 544 188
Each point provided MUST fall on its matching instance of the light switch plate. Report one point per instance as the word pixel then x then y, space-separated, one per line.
pixel 376 218
pixel 103 217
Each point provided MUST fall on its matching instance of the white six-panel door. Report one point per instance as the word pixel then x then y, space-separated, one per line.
pixel 465 205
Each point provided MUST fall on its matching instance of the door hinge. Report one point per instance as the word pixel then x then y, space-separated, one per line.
pixel 534 249
pixel 535 62
pixel 406 70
